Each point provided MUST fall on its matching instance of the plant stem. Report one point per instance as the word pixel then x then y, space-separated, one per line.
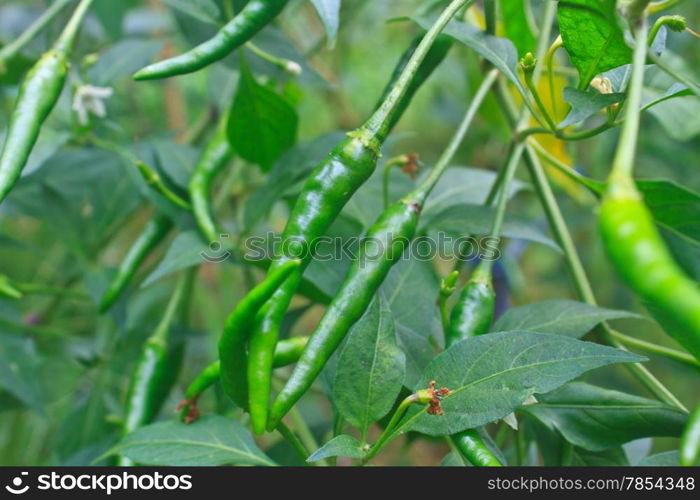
pixel 681 357
pixel 549 63
pixel 393 162
pixel 419 194
pixel 595 187
pixel 391 426
pixel 304 432
pixel 288 66
pixel 538 101
pixel 623 163
pixel 293 440
pixel 65 41
pixel 656 7
pixel 377 125
pixel 12 49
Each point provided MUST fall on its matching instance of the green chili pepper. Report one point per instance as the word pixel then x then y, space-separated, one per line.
pixel 324 195
pixel 237 330
pixel 38 95
pixel 690 441
pixel 216 155
pixel 474 310
pixel 383 246
pixel 154 232
pixel 287 352
pixel 471 446
pixel 159 364
pixel 630 237
pixel 254 17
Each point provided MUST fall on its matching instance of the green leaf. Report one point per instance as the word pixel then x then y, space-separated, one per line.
pixel 186 250
pixel 585 104
pixel 596 419
pixel 211 440
pixel 592 37
pixel 18 370
pixel 339 446
pixel 329 12
pixel 370 369
pixel 469 220
pixel 559 316
pixel 206 11
pixel 665 459
pixel 498 51
pixel 262 124
pixel 491 375
pixel 613 457
pixel 415 317
pixel 515 14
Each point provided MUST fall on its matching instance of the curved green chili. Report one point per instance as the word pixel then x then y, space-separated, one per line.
pixel 154 232
pixel 254 17
pixel 471 446
pixel 690 441
pixel 215 157
pixel 237 330
pixel 630 237
pixel 38 94
pixel 159 363
pixel 324 195
pixel 383 246
pixel 287 352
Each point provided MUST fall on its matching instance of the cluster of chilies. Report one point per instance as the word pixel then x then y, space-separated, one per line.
pixel 249 348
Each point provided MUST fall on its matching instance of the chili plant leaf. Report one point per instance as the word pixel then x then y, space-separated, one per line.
pixel 262 124
pixel 122 59
pixel 596 419
pixel 559 316
pixel 585 104
pixel 329 12
pixel 592 37
pixel 186 250
pixel 371 368
pixel 491 375
pixel 211 440
pixel 339 446
pixel 18 370
pixel 206 11
pixel 665 459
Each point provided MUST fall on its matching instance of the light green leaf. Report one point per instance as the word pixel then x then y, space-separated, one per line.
pixel 559 316
pixel 596 419
pixel 262 124
pixel 491 375
pixel 122 59
pixel 18 370
pixel 206 11
pixel 212 440
pixel 329 12
pixel 585 104
pixel 186 250
pixel 339 446
pixel 592 37
pixel 665 459
pixel 371 368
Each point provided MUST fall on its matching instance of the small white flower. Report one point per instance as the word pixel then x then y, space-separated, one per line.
pixel 89 99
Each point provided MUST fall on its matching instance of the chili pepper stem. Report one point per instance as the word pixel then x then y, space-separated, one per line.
pixel 667 352
pixel 393 162
pixel 154 181
pixel 65 41
pixel 387 435
pixel 549 63
pixel 296 443
pixel 377 124
pixel 13 48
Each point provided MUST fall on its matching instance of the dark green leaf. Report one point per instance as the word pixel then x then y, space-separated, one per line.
pixel 491 375
pixel 370 369
pixel 18 370
pixel 211 440
pixel 585 104
pixel 592 37
pixel 596 419
pixel 206 11
pixel 558 316
pixel 262 124
pixel 122 59
pixel 339 446
pixel 186 250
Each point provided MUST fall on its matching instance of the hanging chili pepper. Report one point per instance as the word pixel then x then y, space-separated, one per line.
pixel 38 94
